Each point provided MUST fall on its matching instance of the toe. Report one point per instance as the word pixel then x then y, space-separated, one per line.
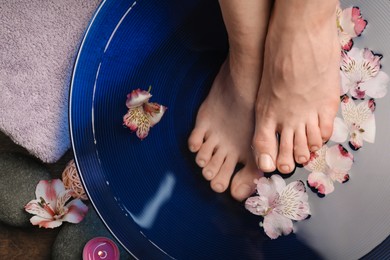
pixel 206 151
pixel 213 167
pixel 301 150
pixel 221 182
pixel 243 184
pixel 196 139
pixel 265 148
pixel 285 161
pixel 326 127
pixel 314 139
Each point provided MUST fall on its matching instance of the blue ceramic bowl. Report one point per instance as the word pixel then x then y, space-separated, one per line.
pixel 150 193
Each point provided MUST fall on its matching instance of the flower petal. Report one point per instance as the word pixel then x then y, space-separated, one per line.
pixel 376 87
pixel 293 202
pixel 337 157
pixel 154 112
pixel 276 225
pixel 49 191
pixel 137 98
pixel 34 208
pixel 76 211
pixel 346 22
pixel 321 182
pixel 278 183
pixel 360 23
pixel 317 160
pixel 340 131
pixel 257 205
pixel 42 222
pixel 369 129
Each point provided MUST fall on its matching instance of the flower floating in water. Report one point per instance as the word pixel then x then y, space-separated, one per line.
pixel 327 165
pixel 279 204
pixel 350 24
pixel 50 208
pixel 358 123
pixel 142 115
pixel 361 74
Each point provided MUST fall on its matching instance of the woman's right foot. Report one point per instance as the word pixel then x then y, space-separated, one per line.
pixel 299 92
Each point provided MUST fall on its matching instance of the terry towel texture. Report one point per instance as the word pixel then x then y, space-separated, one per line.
pixel 38 45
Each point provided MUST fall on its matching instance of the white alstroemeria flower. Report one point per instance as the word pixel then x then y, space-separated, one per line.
pixel 50 208
pixel 361 74
pixel 350 24
pixel 279 204
pixel 327 165
pixel 142 115
pixel 358 124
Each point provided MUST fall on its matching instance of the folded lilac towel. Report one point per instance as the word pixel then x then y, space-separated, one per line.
pixel 38 44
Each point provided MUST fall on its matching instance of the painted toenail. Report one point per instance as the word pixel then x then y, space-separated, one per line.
pixel 243 191
pixel 218 187
pixel 285 168
pixel 208 175
pixel 265 162
pixel 302 159
pixel 201 163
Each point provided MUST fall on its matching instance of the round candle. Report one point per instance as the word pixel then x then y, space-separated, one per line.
pixel 100 248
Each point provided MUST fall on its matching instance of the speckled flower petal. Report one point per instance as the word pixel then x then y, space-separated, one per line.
pixel 275 225
pixel 317 161
pixel 293 202
pixel 137 98
pixel 49 190
pixel 34 208
pixel 360 23
pixel 321 182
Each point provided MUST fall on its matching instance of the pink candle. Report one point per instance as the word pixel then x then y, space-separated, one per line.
pixel 100 248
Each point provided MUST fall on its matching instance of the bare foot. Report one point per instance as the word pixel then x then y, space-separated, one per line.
pixel 225 121
pixel 300 87
pixel 223 130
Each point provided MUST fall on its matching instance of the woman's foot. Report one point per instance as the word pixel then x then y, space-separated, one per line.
pixel 225 121
pixel 299 92
pixel 223 130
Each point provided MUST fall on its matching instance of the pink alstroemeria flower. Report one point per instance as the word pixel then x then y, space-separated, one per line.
pixel 279 204
pixel 361 74
pixel 350 24
pixel 142 115
pixel 358 124
pixel 50 206
pixel 327 165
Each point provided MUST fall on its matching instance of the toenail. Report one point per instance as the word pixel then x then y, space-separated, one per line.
pixel 218 187
pixel 265 162
pixel 192 148
pixel 208 175
pixel 314 148
pixel 201 163
pixel 302 159
pixel 243 191
pixel 285 168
